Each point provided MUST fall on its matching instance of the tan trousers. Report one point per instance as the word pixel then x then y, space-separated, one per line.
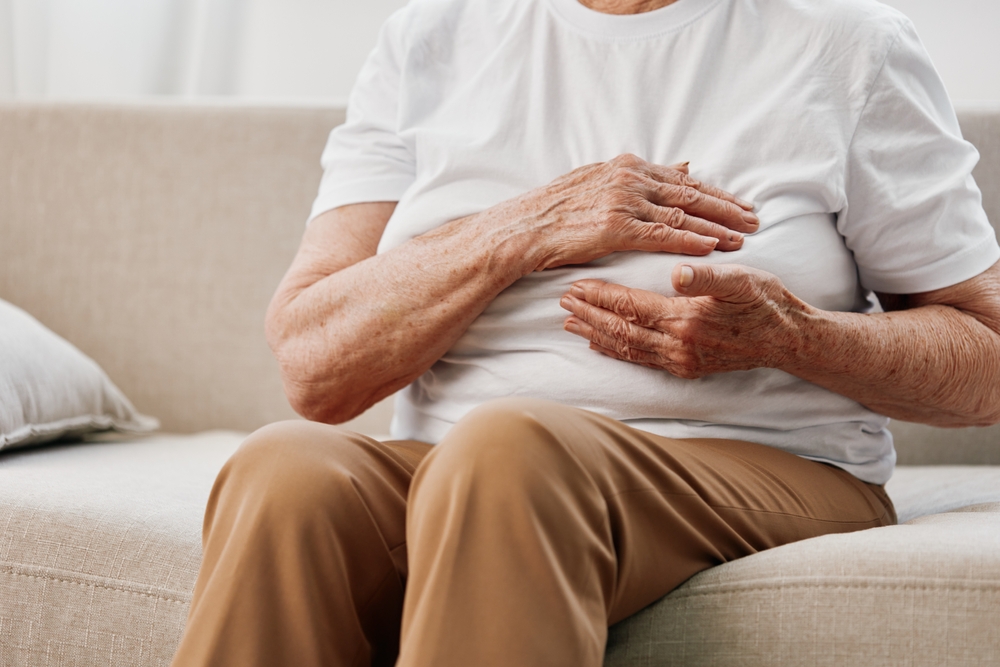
pixel 520 537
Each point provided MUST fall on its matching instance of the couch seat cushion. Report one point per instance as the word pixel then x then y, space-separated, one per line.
pixel 923 593
pixel 921 490
pixel 101 547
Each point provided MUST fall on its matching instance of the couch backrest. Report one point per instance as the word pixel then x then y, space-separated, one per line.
pixel 152 237
pixel 918 444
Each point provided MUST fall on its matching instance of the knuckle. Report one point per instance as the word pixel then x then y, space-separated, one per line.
pixel 623 304
pixel 627 160
pixel 688 196
pixel 688 182
pixel 746 286
pixel 629 177
pixel 619 330
pixel 653 233
pixel 686 332
pixel 686 366
pixel 674 218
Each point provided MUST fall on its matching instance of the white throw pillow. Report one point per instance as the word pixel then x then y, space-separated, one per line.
pixel 49 389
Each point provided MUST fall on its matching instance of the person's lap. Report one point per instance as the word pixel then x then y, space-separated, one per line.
pixel 531 526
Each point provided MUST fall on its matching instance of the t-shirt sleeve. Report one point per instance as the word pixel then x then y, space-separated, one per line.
pixel 365 160
pixel 914 217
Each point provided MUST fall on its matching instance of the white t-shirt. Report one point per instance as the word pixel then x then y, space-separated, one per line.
pixel 825 113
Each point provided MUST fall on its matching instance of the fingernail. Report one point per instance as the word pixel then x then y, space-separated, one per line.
pixel 686 277
pixel 565 302
pixel 735 237
pixel 750 218
pixel 744 204
pixel 571 326
pixel 711 243
pixel 685 164
pixel 577 291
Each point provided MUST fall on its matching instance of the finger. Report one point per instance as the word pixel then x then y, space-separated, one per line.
pixel 659 237
pixel 676 176
pixel 641 357
pixel 637 306
pixel 697 203
pixel 604 325
pixel 680 166
pixel 601 341
pixel 727 282
pixel 729 240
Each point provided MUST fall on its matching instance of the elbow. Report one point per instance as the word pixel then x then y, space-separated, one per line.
pixel 327 395
pixel 318 404
pixel 320 392
pixel 315 386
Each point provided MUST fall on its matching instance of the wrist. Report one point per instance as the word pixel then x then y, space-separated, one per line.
pixel 822 343
pixel 514 238
pixel 807 334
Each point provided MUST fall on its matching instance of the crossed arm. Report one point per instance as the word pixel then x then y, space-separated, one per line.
pixel 350 327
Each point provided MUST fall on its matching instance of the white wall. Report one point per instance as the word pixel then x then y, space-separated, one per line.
pixel 308 48
pixel 963 38
pixel 311 50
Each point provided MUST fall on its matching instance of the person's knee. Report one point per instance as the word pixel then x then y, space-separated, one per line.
pixel 292 467
pixel 503 445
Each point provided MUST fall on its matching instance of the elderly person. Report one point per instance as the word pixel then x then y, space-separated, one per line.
pixel 612 373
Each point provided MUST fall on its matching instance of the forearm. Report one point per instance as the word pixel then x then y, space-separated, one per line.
pixel 349 327
pixel 933 364
pixel 934 360
pixel 348 339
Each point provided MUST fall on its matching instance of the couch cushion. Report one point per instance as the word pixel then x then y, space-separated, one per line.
pixel 922 594
pixel 925 593
pixel 101 546
pixel 49 389
pixel 921 490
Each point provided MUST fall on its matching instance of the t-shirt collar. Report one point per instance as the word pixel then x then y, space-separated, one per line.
pixel 631 26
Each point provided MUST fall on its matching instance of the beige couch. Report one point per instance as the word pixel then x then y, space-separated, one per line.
pixel 152 237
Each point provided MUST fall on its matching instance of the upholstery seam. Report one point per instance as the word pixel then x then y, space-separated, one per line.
pixel 90 584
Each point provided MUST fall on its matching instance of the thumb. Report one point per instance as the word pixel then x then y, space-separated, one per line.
pixel 727 282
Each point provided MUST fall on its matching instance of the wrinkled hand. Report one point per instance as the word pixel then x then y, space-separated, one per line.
pixel 728 318
pixel 629 204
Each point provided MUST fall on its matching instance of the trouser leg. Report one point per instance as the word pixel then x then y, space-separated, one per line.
pixel 304 552
pixel 533 526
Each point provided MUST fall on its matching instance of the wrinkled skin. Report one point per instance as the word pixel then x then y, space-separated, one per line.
pixel 936 359
pixel 350 327
pixel 630 204
pixel 736 319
